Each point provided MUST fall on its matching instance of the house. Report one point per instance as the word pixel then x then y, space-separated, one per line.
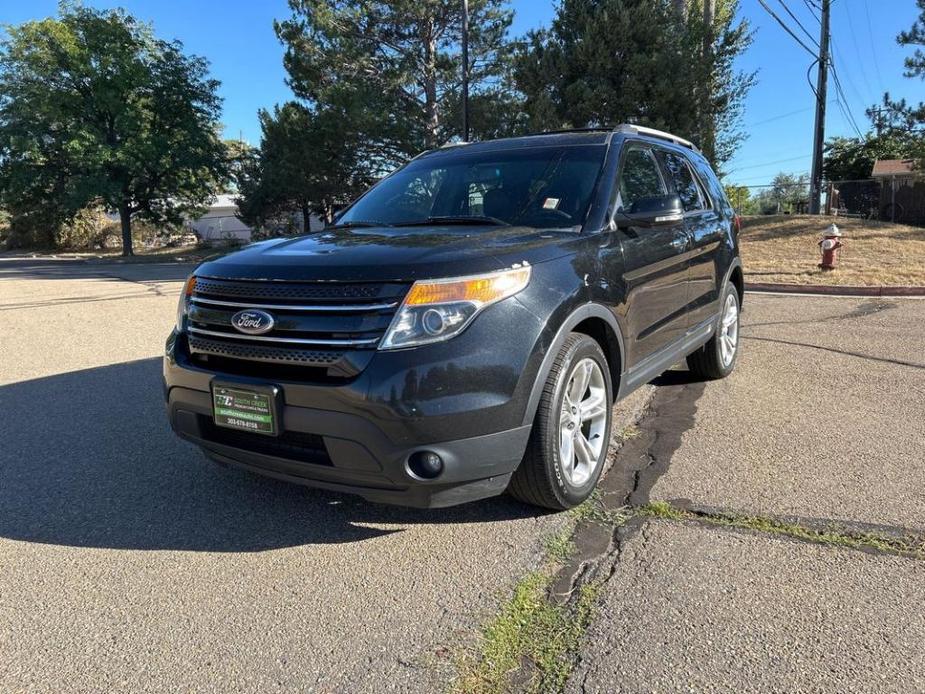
pixel 220 222
pixel 902 190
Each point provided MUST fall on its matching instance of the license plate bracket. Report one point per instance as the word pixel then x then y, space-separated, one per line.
pixel 246 407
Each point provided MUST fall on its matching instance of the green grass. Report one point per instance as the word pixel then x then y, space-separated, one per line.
pixel 530 639
pixel 831 536
pixel 559 546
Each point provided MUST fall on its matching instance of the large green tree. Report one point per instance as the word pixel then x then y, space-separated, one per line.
pixel 393 68
pixel 94 107
pixel 915 63
pixel 892 135
pixel 604 62
pixel 307 162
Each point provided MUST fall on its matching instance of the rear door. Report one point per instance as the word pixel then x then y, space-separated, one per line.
pixel 655 266
pixel 706 227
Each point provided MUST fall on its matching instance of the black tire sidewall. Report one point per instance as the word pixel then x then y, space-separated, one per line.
pixel 717 347
pixel 569 494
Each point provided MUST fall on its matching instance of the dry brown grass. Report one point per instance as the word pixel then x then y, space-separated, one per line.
pixel 785 249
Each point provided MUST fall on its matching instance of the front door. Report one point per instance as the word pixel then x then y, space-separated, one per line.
pixel 655 262
pixel 706 228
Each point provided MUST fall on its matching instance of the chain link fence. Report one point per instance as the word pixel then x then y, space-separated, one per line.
pixel 899 200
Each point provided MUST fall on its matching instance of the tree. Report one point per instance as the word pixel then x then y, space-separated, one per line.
pixel 604 62
pixel 915 63
pixel 94 107
pixel 893 135
pixel 787 192
pixel 393 68
pixel 305 163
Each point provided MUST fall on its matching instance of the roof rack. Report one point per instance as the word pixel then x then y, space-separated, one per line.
pixel 652 132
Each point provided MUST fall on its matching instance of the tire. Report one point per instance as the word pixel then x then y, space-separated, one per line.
pixel 717 358
pixel 542 478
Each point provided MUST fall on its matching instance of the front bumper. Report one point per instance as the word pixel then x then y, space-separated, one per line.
pixel 458 400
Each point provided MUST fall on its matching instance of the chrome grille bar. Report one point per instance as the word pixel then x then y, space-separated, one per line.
pixel 285 340
pixel 284 307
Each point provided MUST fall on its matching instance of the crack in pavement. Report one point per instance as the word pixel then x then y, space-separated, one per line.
pixel 644 459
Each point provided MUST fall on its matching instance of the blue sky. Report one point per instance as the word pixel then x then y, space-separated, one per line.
pixel 237 37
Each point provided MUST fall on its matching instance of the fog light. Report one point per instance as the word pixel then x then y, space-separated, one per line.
pixel 425 464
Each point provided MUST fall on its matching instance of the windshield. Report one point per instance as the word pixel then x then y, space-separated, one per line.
pixel 547 188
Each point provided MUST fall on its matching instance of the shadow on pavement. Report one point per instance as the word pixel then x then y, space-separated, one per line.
pixel 88 460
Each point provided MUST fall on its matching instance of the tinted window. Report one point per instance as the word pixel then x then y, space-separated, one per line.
pixel 640 178
pixel 548 187
pixel 685 184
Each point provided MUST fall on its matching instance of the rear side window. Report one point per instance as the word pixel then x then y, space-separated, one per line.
pixel 640 178
pixel 685 183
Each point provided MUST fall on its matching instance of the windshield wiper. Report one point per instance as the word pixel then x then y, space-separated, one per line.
pixel 359 224
pixel 470 220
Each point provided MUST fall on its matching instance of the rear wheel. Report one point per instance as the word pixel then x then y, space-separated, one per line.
pixel 717 358
pixel 569 440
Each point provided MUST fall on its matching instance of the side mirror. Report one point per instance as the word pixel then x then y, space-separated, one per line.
pixel 653 211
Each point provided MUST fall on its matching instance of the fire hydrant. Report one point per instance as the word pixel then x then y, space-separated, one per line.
pixel 831 242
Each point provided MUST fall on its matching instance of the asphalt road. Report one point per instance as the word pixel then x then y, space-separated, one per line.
pixel 128 562
pixel 821 424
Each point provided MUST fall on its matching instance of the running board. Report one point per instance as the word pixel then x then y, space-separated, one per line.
pixel 664 359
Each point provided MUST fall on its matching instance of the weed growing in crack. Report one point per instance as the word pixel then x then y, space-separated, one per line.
pixel 532 644
pixel 559 546
pixel 832 536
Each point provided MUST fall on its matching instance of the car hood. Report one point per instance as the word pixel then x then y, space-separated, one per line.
pixel 387 254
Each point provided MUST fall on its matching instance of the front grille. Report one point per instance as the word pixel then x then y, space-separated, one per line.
pixel 251 352
pixel 294 291
pixel 291 445
pixel 317 324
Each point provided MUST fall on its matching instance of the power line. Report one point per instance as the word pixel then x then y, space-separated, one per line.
pixel 857 48
pixel 779 117
pixel 770 163
pixel 812 10
pixel 873 48
pixel 799 23
pixel 787 28
pixel 843 100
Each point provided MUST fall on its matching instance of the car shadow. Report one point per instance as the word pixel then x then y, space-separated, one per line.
pixel 88 460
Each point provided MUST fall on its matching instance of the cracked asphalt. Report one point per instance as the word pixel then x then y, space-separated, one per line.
pixel 128 562
pixel 821 424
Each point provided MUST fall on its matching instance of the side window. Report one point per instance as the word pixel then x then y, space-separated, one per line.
pixel 685 184
pixel 639 178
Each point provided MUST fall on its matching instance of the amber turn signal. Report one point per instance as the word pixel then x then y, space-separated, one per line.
pixel 481 290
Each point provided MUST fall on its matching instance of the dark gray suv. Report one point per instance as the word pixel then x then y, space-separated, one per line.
pixel 465 327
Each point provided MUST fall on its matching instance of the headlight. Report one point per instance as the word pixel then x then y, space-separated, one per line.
pixel 183 304
pixel 436 310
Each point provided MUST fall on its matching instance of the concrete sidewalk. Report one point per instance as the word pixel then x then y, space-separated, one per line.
pixel 822 424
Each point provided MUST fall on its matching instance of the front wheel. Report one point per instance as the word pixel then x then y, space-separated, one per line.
pixel 571 432
pixel 717 358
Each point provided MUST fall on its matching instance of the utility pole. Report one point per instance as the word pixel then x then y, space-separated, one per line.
pixel 465 70
pixel 815 185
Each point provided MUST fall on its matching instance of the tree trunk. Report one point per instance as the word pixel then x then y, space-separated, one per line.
pixel 431 114
pixel 125 217
pixel 306 219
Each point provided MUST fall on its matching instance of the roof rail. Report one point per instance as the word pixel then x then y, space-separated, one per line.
pixel 652 132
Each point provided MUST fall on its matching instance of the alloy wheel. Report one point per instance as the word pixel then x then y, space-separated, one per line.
pixel 583 422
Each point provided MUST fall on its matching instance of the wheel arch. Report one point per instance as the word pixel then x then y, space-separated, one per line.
pixel 735 275
pixel 597 322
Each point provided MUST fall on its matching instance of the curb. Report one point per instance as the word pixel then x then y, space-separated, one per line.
pixel 830 290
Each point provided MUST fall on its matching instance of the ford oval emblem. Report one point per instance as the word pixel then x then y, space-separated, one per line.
pixel 253 321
